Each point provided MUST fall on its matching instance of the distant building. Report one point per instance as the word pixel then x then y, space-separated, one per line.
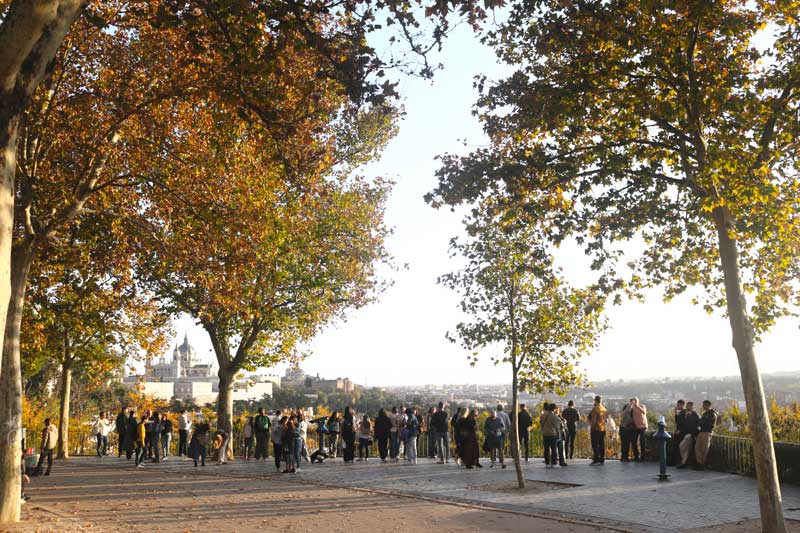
pixel 297 377
pixel 185 377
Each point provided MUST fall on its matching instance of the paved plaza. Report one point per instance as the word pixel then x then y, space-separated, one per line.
pixel 176 496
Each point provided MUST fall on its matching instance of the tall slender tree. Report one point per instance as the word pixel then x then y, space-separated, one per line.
pixel 519 304
pixel 673 123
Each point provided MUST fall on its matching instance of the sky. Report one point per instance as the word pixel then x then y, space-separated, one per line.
pixel 400 339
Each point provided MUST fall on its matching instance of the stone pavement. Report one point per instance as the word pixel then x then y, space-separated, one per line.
pixel 624 495
pixel 87 494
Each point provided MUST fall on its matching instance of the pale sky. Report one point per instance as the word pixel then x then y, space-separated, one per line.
pixel 400 340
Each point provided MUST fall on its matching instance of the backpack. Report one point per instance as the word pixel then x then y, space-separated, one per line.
pixel 262 423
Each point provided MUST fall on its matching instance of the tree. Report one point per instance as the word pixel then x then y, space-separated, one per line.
pixel 289 241
pixel 520 304
pixel 85 308
pixel 673 125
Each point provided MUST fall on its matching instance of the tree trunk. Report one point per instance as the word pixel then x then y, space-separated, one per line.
pixel 30 35
pixel 515 430
pixel 769 490
pixel 11 388
pixel 64 397
pixel 225 404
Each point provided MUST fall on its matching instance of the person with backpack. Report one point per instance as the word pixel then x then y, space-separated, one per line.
pixel 412 429
pixel 48 445
pixel 333 433
pixel 383 427
pixel 597 424
pixel 708 420
pixel 141 441
pixel 261 425
pixel 166 436
pixel 348 435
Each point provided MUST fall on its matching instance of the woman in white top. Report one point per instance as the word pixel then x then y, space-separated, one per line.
pixel 302 431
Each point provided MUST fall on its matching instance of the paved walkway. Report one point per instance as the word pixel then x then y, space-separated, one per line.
pixel 175 496
pixel 614 494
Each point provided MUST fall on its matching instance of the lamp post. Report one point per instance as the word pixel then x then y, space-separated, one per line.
pixel 662 437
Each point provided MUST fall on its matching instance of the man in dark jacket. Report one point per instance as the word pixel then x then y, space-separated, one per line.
pixel 441 437
pixel 677 436
pixel 707 422
pixel 524 423
pixel 689 430
pixel 120 424
pixel 261 425
pixel 572 416
pixel 130 433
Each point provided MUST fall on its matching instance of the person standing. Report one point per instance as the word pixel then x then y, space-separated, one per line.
pixel 302 431
pixel 333 433
pixel 383 428
pixel 248 438
pixel 184 425
pixel 597 424
pixel 456 422
pixel 364 438
pixel 277 436
pixel 707 422
pixel 626 431
pixel 524 423
pixel 141 441
pixel 506 420
pixel 148 430
pixel 689 430
pixel 430 433
pixel 131 434
pixel 677 436
pixel 394 434
pixel 166 436
pixel 154 436
pixel 198 448
pixel 48 445
pixel 639 416
pixel 348 435
pixel 102 427
pixel 121 424
pixel 412 433
pixel 572 416
pixel 562 435
pixel 551 425
pixel 470 449
pixel 261 425
pixel 492 434
pixel 439 423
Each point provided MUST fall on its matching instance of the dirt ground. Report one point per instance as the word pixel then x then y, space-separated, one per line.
pixel 125 499
pixel 117 498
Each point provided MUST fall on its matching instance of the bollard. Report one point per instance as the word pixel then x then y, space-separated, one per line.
pixel 662 436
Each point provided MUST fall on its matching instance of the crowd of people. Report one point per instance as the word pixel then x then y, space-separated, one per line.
pixel 396 432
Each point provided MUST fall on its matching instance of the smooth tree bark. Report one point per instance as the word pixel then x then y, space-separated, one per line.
pixel 769 488
pixel 11 392
pixel 30 36
pixel 515 451
pixel 64 398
